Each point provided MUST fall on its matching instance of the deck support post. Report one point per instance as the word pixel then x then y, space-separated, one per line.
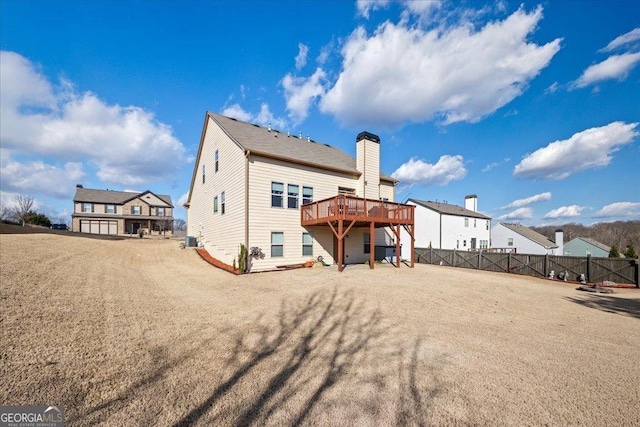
pixel 340 246
pixel 398 245
pixel 372 244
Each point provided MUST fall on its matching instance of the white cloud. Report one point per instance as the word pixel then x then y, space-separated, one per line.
pixel 625 39
pixel 495 164
pixel 521 213
pixel 264 117
pixel 301 58
pixel 542 197
pixel 37 177
pixel 565 212
pixel 126 144
pixel 591 148
pixel 300 91
pixel 614 67
pixel 365 6
pixel 183 199
pixel 416 171
pixel 237 112
pixel 423 9
pixel 403 73
pixel 619 209
pixel 553 88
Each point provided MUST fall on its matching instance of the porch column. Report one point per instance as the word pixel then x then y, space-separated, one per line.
pixel 413 247
pixel 372 244
pixel 340 246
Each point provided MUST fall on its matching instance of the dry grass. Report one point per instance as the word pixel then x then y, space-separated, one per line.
pixel 140 332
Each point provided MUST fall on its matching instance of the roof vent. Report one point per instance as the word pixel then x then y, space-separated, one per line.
pixel 79 186
pixel 308 138
pixel 300 135
pixel 269 126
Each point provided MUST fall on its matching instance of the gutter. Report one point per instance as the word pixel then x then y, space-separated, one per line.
pixel 247 153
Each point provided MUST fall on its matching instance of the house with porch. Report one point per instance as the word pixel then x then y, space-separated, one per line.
pixel 121 212
pixel 442 225
pixel 291 198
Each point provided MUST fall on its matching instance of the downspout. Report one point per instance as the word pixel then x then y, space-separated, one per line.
pixel 440 246
pixel 247 153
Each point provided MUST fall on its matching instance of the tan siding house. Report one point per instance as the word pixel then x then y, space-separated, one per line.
pixel 263 178
pixel 121 212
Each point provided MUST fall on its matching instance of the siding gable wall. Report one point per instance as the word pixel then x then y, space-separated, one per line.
pixel 220 234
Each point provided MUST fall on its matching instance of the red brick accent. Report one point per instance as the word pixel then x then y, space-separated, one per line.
pixel 215 262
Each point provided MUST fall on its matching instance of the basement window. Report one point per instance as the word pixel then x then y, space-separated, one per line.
pixel 277 244
pixel 307 244
pixel 367 242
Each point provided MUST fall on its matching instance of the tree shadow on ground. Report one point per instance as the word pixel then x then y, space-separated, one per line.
pixel 282 374
pixel 610 304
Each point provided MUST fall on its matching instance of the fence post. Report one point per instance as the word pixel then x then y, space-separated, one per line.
pixel 546 263
pixel 509 263
pixel 480 260
pixel 636 274
pixel 588 267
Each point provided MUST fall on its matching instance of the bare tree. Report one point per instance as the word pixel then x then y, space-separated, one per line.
pixel 23 205
pixel 179 224
pixel 5 212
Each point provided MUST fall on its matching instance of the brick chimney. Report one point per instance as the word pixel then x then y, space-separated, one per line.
pixel 368 164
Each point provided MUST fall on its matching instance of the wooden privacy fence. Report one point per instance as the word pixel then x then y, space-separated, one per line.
pixel 595 270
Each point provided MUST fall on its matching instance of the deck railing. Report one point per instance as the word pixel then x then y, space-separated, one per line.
pixel 353 208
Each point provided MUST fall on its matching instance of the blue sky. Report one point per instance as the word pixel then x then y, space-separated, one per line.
pixel 533 106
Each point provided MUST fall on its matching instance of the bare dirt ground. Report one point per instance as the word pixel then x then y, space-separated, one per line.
pixel 141 332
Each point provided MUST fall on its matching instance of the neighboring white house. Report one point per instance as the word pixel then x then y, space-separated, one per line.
pixel 520 239
pixel 445 226
pixel 250 183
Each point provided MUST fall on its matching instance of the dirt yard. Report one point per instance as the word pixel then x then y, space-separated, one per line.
pixel 141 332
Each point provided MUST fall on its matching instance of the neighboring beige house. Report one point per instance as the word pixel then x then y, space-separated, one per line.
pixel 293 198
pixel 121 212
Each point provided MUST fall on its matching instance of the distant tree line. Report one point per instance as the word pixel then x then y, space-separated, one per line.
pixel 623 235
pixel 22 212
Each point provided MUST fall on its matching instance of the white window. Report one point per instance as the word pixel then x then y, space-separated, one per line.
pixel 457 244
pixel 367 243
pixel 215 204
pixel 110 209
pixel 307 244
pixel 136 210
pixel 160 211
pixel 277 244
pixel 510 241
pixel 87 207
pixel 307 195
pixel 292 199
pixel 222 203
pixel 277 188
pixel 466 222
pixel 487 225
pixel 203 174
pixel 216 158
pixel 474 223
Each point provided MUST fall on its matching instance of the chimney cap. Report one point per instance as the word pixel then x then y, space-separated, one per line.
pixel 79 186
pixel 471 196
pixel 559 230
pixel 368 136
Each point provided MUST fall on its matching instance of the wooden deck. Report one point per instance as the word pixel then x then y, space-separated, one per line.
pixel 343 212
pixel 363 211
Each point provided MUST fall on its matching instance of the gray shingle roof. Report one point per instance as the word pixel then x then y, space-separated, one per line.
pixel 530 234
pixel 273 143
pixel 594 243
pixel 90 195
pixel 447 209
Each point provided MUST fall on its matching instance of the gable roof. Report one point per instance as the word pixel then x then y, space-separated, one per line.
pixel 592 243
pixel 275 144
pixel 447 209
pixel 90 195
pixel 530 234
